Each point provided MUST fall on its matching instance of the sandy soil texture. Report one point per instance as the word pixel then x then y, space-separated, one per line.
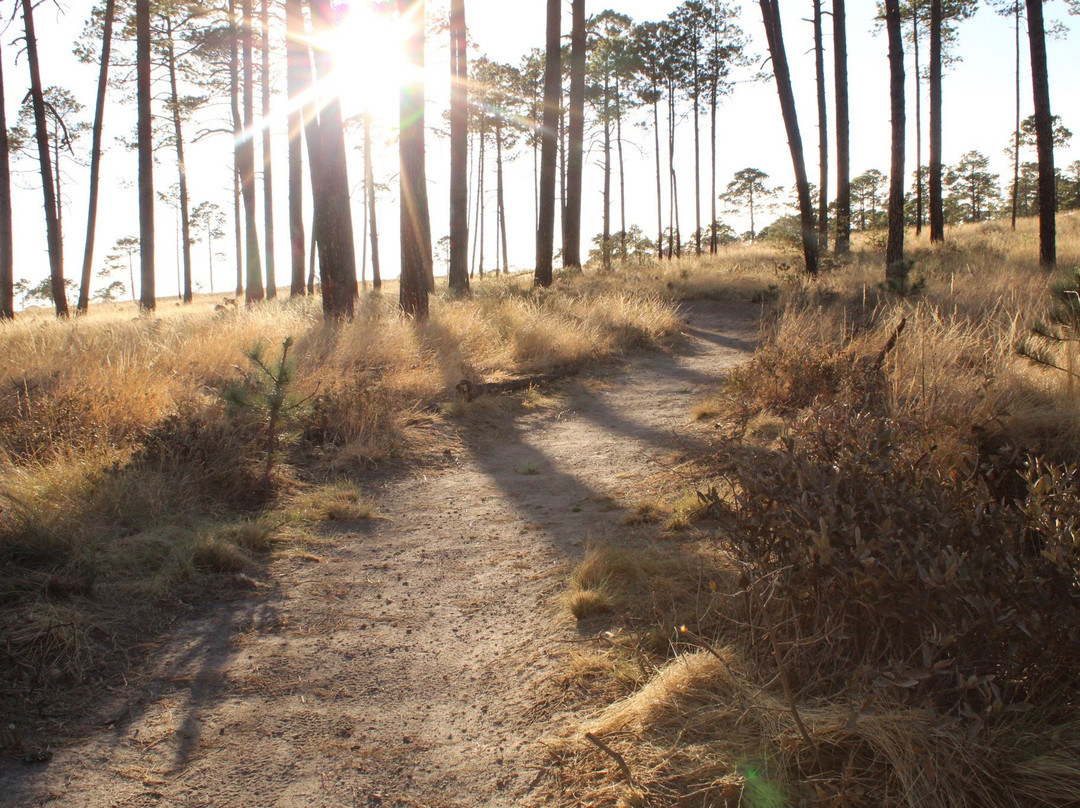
pixel 413 665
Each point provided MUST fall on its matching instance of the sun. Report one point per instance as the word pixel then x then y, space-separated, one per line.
pixel 369 61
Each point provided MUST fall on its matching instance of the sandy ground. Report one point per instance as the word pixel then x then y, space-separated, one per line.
pixel 413 666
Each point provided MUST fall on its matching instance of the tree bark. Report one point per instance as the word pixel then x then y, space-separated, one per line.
pixel 245 150
pixel 659 181
pixel 771 17
pixel 48 184
pixel 330 187
pixel 937 207
pixel 575 157
pixel 500 196
pixel 843 148
pixel 545 231
pixel 238 129
pixel 605 246
pixel 268 170
pixel 181 165
pixel 894 251
pixel 1016 131
pixel 414 280
pixel 95 157
pixel 299 66
pixel 1044 136
pixel 373 225
pixel 458 270
pixel 918 122
pixel 147 298
pixel 823 134
pixel 7 257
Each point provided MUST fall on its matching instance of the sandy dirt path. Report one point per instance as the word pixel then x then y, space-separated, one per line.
pixel 409 667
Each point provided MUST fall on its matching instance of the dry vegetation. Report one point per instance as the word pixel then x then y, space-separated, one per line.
pixel 138 464
pixel 884 611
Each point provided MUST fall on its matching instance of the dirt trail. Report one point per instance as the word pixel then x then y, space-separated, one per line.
pixel 407 668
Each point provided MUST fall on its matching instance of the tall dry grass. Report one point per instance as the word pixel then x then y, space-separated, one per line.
pixel 125 476
pixel 894 620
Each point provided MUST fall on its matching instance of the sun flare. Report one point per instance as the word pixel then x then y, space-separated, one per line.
pixel 369 56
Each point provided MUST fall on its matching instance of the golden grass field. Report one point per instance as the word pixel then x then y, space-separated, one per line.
pixel 126 478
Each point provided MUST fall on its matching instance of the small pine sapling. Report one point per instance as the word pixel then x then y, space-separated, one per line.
pixel 267 392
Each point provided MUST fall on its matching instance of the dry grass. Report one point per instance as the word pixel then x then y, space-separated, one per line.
pixel 985 441
pixel 125 478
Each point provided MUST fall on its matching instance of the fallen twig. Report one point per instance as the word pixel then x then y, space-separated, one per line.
pixel 603 747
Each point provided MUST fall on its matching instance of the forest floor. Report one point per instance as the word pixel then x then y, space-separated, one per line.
pixel 416 660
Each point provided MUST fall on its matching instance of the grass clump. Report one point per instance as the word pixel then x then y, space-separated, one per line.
pixel 896 611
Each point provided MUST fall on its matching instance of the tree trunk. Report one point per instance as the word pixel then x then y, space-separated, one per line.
pixel 823 134
pixel 330 187
pixel 697 165
pixel 545 231
pixel 52 222
pixel 714 244
pixel 843 158
pixel 238 129
pixel 894 251
pixel 478 237
pixel 369 191
pixel 937 207
pixel 500 196
pixel 414 280
pixel 771 17
pixel 659 182
pixel 918 122
pixel 622 170
pixel 268 172
pixel 148 298
pixel 1044 135
pixel 458 270
pixel 1016 131
pixel 245 150
pixel 95 157
pixel 7 259
pixel 297 78
pixel 605 245
pixel 575 158
pixel 181 166
pixel 674 242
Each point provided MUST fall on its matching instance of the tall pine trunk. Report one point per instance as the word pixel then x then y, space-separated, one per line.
pixel 246 158
pixel 1044 135
pixel 238 129
pixel 937 206
pixel 7 255
pixel 605 247
pixel 622 169
pixel 843 145
pixel 575 157
pixel 48 183
pixel 500 195
pixel 299 66
pixel 659 181
pixel 697 164
pixel 414 280
pixel 268 172
pixel 1016 131
pixel 95 157
pixel 330 186
pixel 770 14
pixel 144 128
pixel 458 270
pixel 894 251
pixel 545 231
pixel 823 134
pixel 372 222
pixel 181 165
pixel 918 121
pixel 714 101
